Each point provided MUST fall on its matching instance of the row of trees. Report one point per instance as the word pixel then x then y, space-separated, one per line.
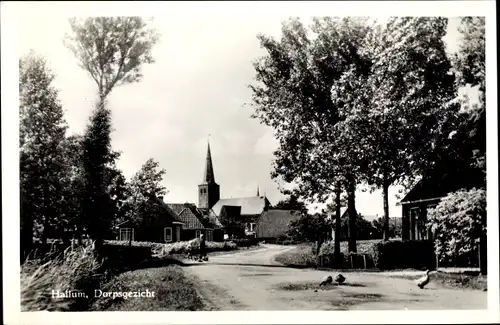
pixel 317 227
pixel 72 183
pixel 354 101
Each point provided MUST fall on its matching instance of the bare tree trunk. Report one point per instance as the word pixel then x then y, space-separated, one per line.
pixel 45 215
pixel 351 209
pixel 386 207
pixel 338 222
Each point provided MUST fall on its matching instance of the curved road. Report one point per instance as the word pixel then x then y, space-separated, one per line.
pixel 253 281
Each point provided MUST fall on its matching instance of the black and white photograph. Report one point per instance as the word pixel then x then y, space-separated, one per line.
pixel 183 158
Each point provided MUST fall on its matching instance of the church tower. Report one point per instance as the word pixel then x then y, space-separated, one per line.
pixel 208 190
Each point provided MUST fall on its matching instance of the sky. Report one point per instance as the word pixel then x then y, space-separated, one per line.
pixel 197 87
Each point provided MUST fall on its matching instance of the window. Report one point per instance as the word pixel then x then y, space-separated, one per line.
pixel 210 235
pixel 252 227
pixel 178 233
pixel 126 234
pixel 198 233
pixel 167 231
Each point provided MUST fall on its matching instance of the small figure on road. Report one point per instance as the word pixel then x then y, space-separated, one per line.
pixel 340 279
pixel 423 281
pixel 203 253
pixel 326 280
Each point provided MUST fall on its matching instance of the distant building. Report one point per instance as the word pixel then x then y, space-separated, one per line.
pixel 185 221
pixel 210 203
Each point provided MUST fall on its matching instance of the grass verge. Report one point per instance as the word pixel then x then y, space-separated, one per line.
pixel 172 291
pixel 454 280
pixel 71 271
pixel 300 256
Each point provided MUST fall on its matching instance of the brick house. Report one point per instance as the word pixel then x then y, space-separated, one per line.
pixel 195 223
pixel 162 225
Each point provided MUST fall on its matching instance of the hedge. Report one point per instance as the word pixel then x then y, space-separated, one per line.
pixel 404 254
pixel 281 241
pixel 394 254
pixel 246 242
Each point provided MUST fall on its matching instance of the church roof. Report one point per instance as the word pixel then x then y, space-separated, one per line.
pixel 252 205
pixel 209 176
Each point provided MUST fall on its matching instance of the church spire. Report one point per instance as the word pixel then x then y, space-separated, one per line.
pixel 258 193
pixel 209 170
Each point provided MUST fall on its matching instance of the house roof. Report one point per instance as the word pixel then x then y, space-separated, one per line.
pixel 190 220
pixel 214 220
pixel 188 215
pixel 274 223
pixel 438 187
pixel 170 211
pixel 252 205
pixel 193 218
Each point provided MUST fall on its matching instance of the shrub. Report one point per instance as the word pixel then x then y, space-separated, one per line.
pixel 404 254
pixel 283 240
pixel 72 270
pixel 133 243
pixel 191 246
pixel 247 242
pixel 458 221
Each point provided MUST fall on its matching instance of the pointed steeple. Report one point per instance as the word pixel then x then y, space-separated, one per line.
pixel 209 170
pixel 258 194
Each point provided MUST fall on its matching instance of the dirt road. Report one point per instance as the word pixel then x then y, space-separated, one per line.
pixel 253 281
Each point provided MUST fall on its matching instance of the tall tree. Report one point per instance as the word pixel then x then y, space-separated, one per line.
pixel 470 68
pixel 74 190
pixel 97 156
pixel 470 140
pixel 42 130
pixel 292 95
pixel 402 101
pixel 144 186
pixel 112 50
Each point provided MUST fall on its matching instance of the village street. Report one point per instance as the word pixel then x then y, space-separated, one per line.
pixel 253 281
